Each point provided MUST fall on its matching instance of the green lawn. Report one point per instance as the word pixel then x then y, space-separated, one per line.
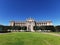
pixel 28 38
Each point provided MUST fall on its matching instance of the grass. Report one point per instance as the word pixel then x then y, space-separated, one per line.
pixel 28 38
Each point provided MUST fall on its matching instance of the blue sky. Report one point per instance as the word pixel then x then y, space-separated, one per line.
pixel 22 9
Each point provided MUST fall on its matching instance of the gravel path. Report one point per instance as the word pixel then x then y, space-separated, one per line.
pixel 52 34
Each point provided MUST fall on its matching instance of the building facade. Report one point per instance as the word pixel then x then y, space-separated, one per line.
pixel 30 23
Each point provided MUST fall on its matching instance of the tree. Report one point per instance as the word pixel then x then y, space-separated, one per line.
pixel 15 28
pixel 24 28
pixel 36 28
pixel 48 28
pixel 1 27
pixel 4 29
pixel 57 28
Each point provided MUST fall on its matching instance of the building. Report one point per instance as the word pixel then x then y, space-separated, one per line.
pixel 30 23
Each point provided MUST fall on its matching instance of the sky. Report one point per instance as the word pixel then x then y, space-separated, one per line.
pixel 18 10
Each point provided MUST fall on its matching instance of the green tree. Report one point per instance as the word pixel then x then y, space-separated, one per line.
pixel 37 28
pixel 24 28
pixel 1 27
pixel 57 28
pixel 52 28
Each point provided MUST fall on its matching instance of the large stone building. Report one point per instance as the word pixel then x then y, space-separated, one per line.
pixel 29 23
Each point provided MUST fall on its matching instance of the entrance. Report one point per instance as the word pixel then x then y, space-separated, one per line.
pixel 29 27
